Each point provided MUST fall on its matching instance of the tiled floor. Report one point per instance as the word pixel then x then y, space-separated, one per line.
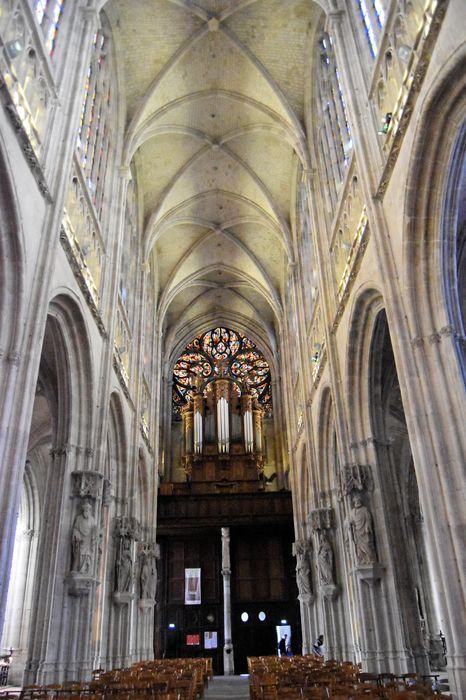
pixel 228 688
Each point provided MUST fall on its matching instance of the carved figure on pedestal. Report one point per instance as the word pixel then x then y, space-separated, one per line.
pixel 325 561
pixel 148 577
pixel 83 540
pixel 361 532
pixel 123 566
pixel 303 567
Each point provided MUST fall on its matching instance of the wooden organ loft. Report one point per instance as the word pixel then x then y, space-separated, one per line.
pixel 220 514
pixel 223 440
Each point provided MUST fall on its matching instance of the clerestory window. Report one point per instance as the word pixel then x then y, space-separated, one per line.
pixel 93 141
pixel 49 14
pixel 334 133
pixel 372 15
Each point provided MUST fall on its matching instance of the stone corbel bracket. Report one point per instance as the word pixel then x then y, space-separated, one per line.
pixel 369 574
pixel 79 585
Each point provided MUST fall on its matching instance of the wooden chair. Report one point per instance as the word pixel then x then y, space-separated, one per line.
pixel 268 684
pixel 184 688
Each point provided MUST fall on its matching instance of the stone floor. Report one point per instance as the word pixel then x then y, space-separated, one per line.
pixel 228 688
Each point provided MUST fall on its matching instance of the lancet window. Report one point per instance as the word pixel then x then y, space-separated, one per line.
pixel 372 15
pixel 48 14
pixel 334 132
pixel 25 74
pixel 128 262
pixel 307 256
pixel 94 145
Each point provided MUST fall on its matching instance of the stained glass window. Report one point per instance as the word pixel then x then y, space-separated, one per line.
pixel 335 137
pixel 93 142
pixel 373 18
pixel 48 14
pixel 239 352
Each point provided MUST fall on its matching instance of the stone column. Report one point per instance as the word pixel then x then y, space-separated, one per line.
pixel 82 579
pixel 228 664
pixel 146 585
pixel 321 521
pixel 365 569
pixel 302 552
pixel 126 534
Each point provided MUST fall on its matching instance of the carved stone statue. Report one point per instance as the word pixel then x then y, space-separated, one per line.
pixel 303 567
pixel 123 565
pixel 148 576
pixel 325 561
pixel 83 540
pixel 361 532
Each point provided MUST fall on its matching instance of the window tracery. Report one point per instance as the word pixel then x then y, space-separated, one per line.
pixel 334 133
pixel 93 144
pixel 239 354
pixel 48 14
pixel 372 14
pixel 306 247
pixel 129 257
pixel 25 74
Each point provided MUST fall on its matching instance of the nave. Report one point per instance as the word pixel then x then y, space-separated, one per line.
pixel 232 334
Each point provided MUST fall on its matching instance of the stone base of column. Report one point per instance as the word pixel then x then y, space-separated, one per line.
pixel 456 670
pixel 228 661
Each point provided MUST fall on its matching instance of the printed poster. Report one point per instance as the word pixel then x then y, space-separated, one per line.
pixel 192 586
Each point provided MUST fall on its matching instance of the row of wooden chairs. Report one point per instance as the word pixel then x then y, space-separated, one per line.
pixel 310 678
pixel 160 679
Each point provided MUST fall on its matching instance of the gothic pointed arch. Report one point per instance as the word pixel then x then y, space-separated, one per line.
pixel 363 316
pixel 67 332
pixel 117 449
pixel 11 260
pixel 436 212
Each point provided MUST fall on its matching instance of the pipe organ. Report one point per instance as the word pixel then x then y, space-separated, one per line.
pixel 222 427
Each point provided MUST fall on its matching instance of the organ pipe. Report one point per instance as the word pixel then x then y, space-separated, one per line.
pixel 198 423
pixel 223 423
pixel 246 410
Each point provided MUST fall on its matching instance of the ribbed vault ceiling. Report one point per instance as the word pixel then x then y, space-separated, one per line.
pixel 215 110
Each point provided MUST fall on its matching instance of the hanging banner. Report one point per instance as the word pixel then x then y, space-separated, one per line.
pixel 192 586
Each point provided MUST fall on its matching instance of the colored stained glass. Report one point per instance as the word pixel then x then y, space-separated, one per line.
pixel 48 14
pixel 240 354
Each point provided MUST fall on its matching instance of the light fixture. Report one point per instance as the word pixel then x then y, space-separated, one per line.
pixel 171 626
